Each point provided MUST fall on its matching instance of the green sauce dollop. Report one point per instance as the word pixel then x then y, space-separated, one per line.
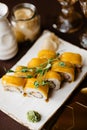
pixel 33 116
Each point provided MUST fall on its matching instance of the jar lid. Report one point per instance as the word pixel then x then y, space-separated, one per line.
pixel 30 12
pixel 3 10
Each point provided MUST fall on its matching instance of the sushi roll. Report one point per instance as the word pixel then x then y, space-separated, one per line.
pixel 23 71
pixel 39 92
pixel 66 69
pixel 54 79
pixel 47 54
pixel 73 58
pixel 12 83
pixel 36 62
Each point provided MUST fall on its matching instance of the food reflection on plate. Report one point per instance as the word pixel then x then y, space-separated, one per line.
pixel 84 90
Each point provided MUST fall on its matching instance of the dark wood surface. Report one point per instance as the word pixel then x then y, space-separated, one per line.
pixel 73 114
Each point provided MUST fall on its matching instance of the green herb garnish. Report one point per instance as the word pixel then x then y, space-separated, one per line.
pixel 25 69
pixel 29 76
pixel 40 71
pixel 37 84
pixel 61 63
pixel 10 71
pixel 41 83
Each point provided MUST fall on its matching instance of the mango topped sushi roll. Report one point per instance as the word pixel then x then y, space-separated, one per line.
pixel 32 90
pixel 66 69
pixel 54 79
pixel 73 58
pixel 47 54
pixel 12 83
pixel 36 62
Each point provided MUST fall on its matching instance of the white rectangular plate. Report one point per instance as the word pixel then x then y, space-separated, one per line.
pixel 16 105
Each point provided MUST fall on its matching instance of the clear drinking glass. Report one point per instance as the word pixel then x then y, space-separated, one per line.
pixel 83 38
pixel 68 20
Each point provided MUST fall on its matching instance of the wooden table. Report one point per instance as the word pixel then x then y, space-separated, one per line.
pixel 73 114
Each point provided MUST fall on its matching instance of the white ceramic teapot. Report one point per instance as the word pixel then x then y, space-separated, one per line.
pixel 8 44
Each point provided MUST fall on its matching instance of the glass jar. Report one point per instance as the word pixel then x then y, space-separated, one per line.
pixel 25 22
